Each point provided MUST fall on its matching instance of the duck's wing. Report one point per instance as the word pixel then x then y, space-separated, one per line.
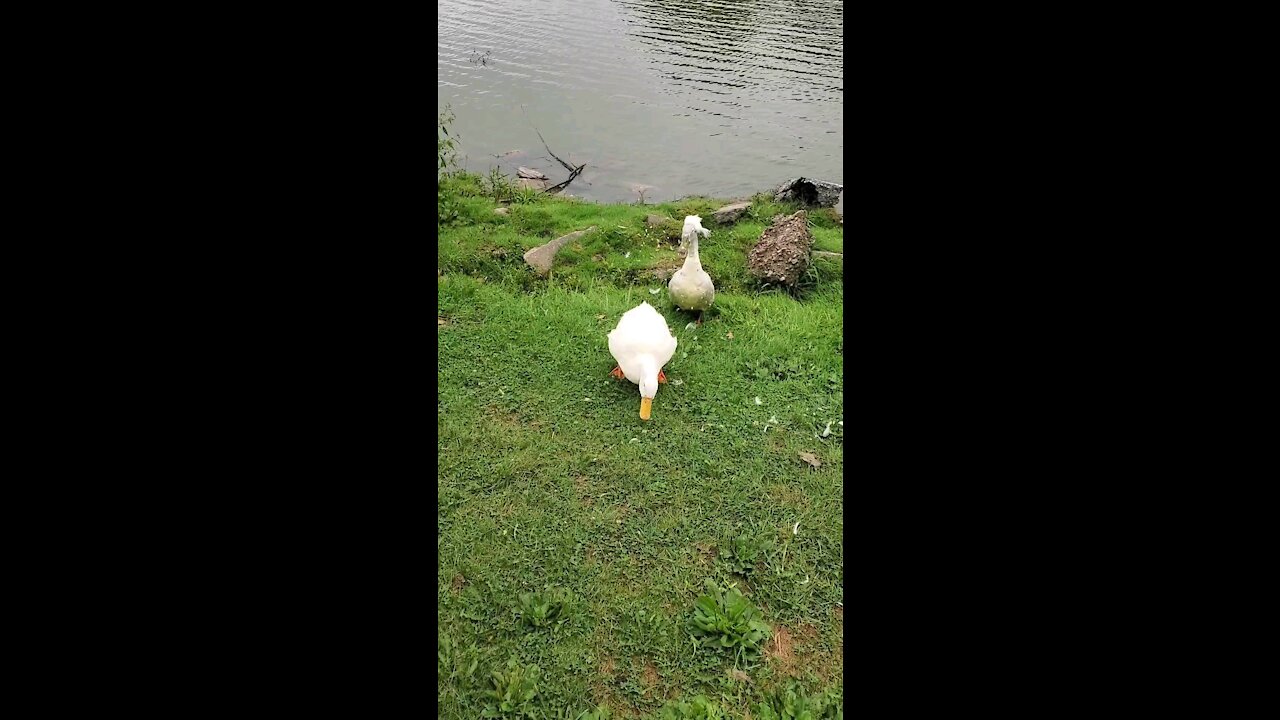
pixel 665 349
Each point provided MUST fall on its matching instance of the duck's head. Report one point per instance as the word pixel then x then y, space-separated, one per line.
pixel 692 228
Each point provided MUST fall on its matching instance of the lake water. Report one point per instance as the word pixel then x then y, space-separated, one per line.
pixel 721 98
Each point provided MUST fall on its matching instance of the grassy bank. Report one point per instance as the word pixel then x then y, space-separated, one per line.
pixel 574 537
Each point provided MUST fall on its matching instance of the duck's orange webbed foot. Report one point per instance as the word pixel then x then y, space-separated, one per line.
pixel 662 377
pixel 617 373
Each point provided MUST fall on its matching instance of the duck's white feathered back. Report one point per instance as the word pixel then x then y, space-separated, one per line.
pixel 641 332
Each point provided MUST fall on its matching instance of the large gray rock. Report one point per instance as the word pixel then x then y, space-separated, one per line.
pixel 783 252
pixel 525 172
pixel 531 183
pixel 730 213
pixel 818 193
pixel 542 257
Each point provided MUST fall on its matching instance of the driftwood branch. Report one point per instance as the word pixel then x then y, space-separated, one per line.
pixel 573 171
pixel 557 188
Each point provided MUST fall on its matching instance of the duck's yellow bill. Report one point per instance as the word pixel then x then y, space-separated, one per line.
pixel 646 404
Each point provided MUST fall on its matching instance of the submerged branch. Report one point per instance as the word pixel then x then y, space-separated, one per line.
pixel 573 171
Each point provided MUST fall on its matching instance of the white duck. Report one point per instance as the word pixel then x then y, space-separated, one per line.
pixel 642 343
pixel 691 287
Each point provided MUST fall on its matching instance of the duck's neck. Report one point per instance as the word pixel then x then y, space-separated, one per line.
pixel 692 262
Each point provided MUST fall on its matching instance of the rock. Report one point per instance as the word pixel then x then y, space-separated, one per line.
pixel 818 193
pixel 525 172
pixel 657 220
pixel 730 213
pixel 782 254
pixel 531 183
pixel 501 211
pixel 541 257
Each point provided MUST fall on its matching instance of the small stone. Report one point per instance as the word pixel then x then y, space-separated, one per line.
pixel 542 257
pixel 657 220
pixel 502 211
pixel 730 213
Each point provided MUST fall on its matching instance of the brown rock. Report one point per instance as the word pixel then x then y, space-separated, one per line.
pixel 542 257
pixel 730 213
pixel 782 254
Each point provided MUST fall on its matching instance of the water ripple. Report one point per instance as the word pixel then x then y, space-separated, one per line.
pixel 689 96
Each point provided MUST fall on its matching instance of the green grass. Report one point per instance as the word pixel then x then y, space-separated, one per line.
pixel 575 538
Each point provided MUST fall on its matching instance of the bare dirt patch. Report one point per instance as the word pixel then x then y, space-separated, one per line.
pixel 779 650
pixel 706 552
pixel 790 651
pixel 788 495
pixel 776 441
pixel 653 682
pixel 582 484
pixel 650 674
pixel 604 693
pixel 509 419
pixel 604 686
